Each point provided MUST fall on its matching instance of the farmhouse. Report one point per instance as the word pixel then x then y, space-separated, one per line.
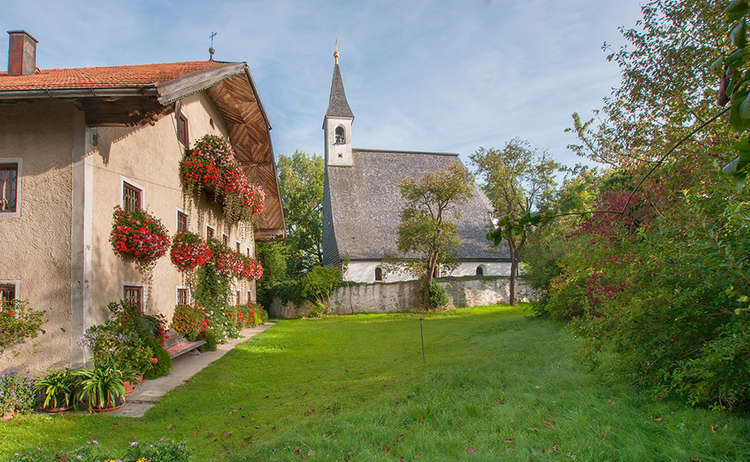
pixel 362 201
pixel 75 143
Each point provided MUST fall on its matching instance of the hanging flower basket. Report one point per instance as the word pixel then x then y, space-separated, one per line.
pixel 222 258
pixel 251 269
pixel 189 251
pixel 139 237
pixel 212 166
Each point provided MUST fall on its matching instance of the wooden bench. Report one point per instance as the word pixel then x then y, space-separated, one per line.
pixel 177 345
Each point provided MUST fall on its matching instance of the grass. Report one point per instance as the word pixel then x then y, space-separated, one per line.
pixel 495 385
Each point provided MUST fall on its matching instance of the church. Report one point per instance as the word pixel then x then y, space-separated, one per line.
pixel 362 201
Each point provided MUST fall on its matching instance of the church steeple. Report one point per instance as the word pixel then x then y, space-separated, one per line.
pixel 337 123
pixel 338 106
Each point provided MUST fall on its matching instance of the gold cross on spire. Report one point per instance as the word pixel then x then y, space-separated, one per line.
pixel 336 53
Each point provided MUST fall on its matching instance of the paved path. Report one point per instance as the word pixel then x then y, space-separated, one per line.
pixel 151 391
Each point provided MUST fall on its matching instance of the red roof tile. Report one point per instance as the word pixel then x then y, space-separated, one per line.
pixel 102 77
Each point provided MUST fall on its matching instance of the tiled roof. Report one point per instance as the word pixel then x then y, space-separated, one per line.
pixel 102 77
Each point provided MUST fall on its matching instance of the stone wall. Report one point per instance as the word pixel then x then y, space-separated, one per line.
pixel 404 296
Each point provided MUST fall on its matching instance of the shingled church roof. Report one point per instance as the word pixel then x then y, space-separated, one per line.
pixel 365 202
pixel 337 104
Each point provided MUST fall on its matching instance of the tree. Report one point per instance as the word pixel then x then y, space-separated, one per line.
pixel 516 179
pixel 301 180
pixel 426 230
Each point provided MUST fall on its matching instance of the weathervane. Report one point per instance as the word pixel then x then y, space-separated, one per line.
pixel 211 50
pixel 336 53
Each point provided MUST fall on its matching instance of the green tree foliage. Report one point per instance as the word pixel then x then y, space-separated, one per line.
pixel 301 184
pixel 654 272
pixel 318 284
pixel 285 263
pixel 517 180
pixel 426 236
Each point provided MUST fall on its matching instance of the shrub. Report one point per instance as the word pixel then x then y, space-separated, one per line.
pixel 317 285
pixel 438 297
pixel 163 362
pixel 210 338
pixel 139 237
pixel 190 321
pixel 18 322
pixel 17 393
pixel 112 345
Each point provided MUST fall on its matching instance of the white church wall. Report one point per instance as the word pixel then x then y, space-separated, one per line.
pixel 364 271
pixel 489 269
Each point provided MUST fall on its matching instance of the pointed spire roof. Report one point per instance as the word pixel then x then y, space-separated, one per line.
pixel 337 104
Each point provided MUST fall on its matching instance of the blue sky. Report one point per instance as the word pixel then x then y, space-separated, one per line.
pixel 419 75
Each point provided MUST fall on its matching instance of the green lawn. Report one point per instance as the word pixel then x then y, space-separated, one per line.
pixel 495 385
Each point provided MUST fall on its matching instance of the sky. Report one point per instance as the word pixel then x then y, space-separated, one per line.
pixel 447 76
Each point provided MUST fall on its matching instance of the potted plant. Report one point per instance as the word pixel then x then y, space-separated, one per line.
pixel 101 389
pixel 59 389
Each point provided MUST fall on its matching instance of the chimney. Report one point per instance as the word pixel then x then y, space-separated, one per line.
pixel 21 53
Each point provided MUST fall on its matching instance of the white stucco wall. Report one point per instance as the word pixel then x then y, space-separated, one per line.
pixel 35 243
pixel 364 271
pixel 149 156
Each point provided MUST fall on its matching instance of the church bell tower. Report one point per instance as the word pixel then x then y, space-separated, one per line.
pixel 337 123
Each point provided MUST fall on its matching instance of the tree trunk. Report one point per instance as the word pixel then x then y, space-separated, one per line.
pixel 513 269
pixel 513 273
pixel 428 282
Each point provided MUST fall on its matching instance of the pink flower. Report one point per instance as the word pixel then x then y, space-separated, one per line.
pixel 154 360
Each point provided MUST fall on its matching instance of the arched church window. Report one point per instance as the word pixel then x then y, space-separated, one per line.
pixel 340 139
pixel 480 270
pixel 378 274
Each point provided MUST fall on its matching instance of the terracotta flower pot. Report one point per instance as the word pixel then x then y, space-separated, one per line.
pixel 109 409
pixel 129 387
pixel 57 410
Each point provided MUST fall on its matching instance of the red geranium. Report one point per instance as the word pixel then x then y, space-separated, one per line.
pixel 189 251
pixel 138 236
pixel 212 165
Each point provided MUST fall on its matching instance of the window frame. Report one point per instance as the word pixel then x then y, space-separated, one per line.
pixel 18 161
pixel 177 294
pixel 16 287
pixel 125 285
pixel 378 272
pixel 187 220
pixel 213 232
pixel 238 246
pixel 134 185
pixel 181 118
pixel 225 240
